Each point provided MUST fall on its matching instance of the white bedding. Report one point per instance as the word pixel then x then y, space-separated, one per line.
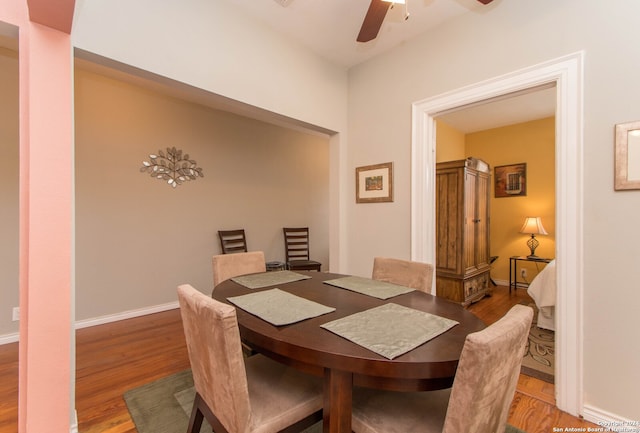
pixel 543 291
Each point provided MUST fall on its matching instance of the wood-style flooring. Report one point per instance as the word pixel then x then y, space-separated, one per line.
pixel 115 357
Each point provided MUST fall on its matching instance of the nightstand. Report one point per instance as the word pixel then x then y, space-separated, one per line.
pixel 513 268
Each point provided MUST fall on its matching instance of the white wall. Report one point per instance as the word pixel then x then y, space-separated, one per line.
pixel 211 45
pixel 505 37
pixel 137 238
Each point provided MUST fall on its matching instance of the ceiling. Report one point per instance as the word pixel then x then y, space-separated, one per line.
pixel 329 28
pixel 533 104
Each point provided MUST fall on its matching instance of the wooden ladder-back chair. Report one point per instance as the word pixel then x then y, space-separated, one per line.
pixel 232 241
pixel 296 246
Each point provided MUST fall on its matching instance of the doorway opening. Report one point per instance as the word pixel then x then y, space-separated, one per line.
pixel 566 75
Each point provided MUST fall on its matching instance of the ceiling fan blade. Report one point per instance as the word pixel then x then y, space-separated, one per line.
pixel 373 20
pixel 485 2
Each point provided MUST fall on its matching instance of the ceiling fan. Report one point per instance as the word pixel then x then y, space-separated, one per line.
pixel 375 16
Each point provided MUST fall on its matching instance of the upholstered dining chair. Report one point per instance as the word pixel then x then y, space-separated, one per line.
pixel 232 241
pixel 296 247
pixel 406 273
pixel 227 266
pixel 235 394
pixel 481 395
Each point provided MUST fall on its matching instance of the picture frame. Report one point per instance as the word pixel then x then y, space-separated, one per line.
pixel 511 180
pixel 374 183
pixel 627 156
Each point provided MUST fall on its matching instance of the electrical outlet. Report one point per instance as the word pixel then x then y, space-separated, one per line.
pixel 15 314
pixel 523 273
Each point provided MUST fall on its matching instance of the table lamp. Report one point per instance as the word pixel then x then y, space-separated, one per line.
pixel 533 226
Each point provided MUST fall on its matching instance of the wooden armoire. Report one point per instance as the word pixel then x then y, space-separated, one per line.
pixel 462 230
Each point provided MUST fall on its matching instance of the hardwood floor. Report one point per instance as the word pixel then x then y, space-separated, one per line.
pixel 119 356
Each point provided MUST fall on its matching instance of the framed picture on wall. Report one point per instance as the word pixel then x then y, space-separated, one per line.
pixel 511 180
pixel 374 183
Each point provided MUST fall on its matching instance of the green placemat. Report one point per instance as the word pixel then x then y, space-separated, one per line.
pixel 265 279
pixel 367 286
pixel 390 330
pixel 279 307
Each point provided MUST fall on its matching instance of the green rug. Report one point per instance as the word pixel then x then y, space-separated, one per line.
pixel 164 406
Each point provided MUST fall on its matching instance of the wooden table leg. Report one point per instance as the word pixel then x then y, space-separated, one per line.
pixel 337 401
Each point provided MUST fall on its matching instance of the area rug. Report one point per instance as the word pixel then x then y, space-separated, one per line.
pixel 539 355
pixel 164 406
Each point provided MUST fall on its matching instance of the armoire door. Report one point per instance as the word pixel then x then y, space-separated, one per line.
pixel 483 220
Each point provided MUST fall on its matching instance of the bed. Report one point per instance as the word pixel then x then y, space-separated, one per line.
pixel 543 291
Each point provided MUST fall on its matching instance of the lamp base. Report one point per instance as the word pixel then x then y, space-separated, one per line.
pixel 532 243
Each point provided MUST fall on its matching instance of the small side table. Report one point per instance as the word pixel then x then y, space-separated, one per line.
pixel 513 268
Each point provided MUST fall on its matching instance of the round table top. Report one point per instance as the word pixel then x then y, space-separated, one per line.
pixel 307 346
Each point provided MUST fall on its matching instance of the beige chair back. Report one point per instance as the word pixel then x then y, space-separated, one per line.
pixel 215 353
pixel 406 273
pixel 487 374
pixel 227 266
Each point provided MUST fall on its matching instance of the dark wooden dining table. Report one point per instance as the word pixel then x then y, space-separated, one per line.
pixel 344 364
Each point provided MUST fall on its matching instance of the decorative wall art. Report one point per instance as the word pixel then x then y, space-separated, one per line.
pixel 511 180
pixel 172 167
pixel 627 155
pixel 374 183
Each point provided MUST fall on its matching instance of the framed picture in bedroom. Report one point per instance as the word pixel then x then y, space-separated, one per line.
pixel 374 183
pixel 511 180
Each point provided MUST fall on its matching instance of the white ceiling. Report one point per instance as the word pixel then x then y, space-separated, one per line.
pixel 508 110
pixel 330 27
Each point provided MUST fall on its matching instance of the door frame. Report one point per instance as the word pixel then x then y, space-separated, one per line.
pixel 566 73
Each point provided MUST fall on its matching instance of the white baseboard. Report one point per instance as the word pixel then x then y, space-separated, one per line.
pixel 501 282
pixel 126 315
pixel 506 284
pixel 86 323
pixel 609 421
pixel 74 425
pixel 9 338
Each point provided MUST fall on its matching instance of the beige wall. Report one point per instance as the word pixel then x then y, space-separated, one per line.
pixel 534 144
pixel 9 167
pixel 216 46
pixel 505 37
pixel 138 238
pixel 450 143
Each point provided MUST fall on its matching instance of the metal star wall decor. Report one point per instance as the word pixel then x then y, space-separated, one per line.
pixel 172 167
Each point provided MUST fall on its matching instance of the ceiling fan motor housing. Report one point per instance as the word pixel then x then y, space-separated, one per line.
pixel 375 16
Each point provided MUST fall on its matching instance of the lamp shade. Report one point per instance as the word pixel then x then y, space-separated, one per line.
pixel 533 226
